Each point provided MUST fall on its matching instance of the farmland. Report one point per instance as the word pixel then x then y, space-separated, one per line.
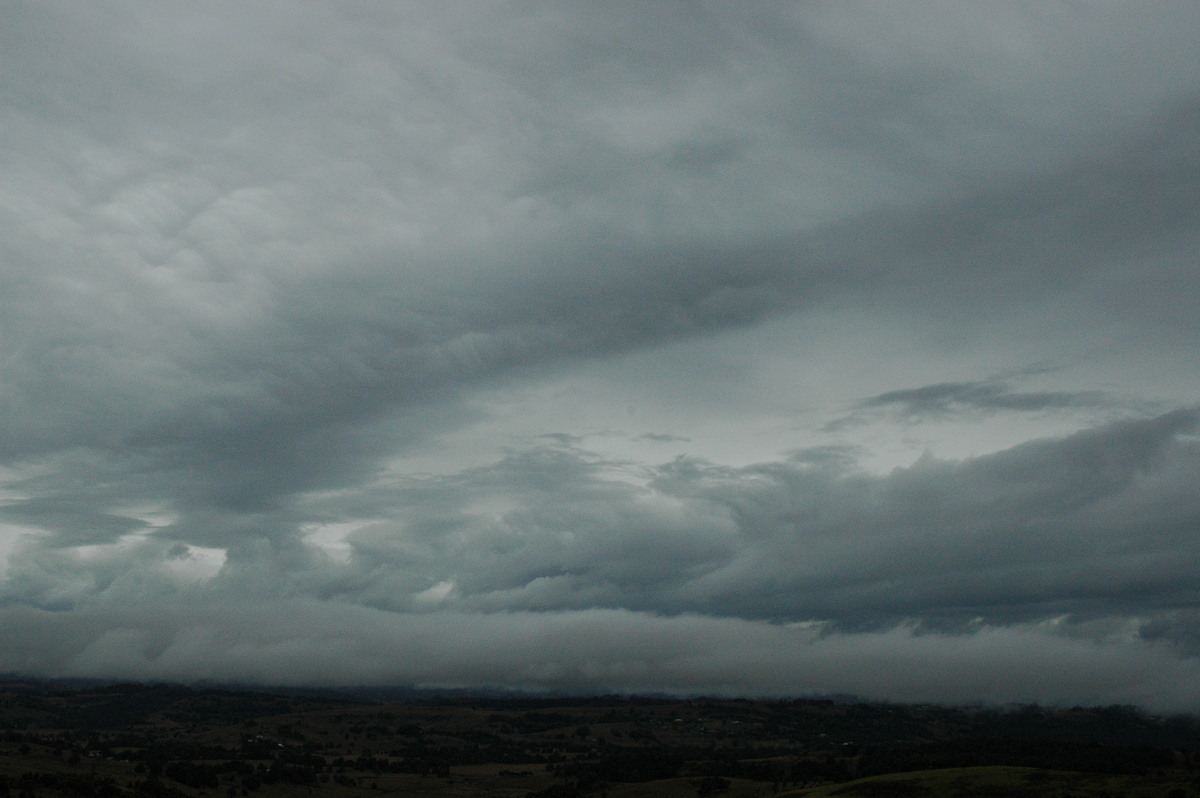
pixel 171 741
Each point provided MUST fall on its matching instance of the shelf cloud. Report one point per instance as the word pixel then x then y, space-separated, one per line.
pixel 817 348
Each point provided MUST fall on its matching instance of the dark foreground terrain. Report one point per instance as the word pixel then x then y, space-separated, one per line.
pixel 170 741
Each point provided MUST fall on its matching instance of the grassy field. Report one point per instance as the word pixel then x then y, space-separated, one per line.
pixel 1000 782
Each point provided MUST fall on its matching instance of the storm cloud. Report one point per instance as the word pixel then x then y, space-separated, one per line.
pixel 773 349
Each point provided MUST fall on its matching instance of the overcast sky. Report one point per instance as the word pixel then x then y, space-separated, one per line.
pixel 776 348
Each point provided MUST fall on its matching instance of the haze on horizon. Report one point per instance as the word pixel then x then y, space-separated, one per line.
pixel 749 349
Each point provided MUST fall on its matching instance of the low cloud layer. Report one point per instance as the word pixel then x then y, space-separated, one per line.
pixel 827 348
pixel 597 650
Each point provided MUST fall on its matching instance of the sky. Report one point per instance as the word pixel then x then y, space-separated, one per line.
pixel 788 348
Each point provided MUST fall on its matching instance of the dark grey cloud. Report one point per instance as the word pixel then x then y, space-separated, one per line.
pixel 957 397
pixel 361 310
pixel 1034 530
pixel 1046 528
pixel 254 403
pixel 661 437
